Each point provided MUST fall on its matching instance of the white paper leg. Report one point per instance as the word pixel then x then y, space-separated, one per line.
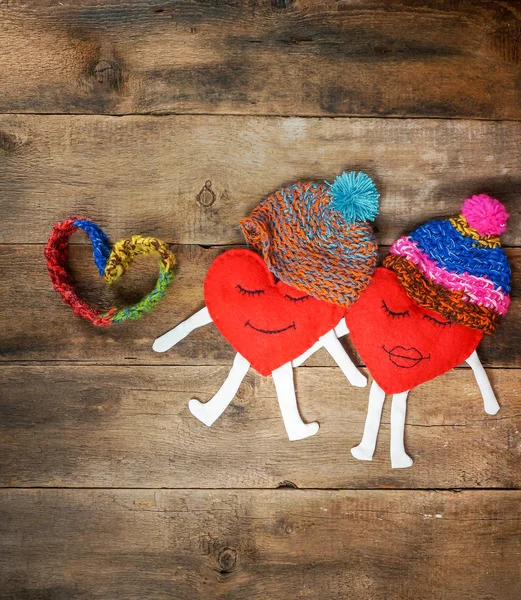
pixel 209 412
pixel 489 398
pixel 341 357
pixel 366 448
pixel 399 458
pixel 295 426
pixel 170 338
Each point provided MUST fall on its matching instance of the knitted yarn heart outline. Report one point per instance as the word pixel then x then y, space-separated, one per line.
pixel 111 263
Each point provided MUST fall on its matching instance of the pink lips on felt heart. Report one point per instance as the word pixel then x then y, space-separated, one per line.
pixel 267 321
pixel 403 344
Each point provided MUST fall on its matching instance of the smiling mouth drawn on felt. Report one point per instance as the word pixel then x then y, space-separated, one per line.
pixel 270 331
pixel 405 358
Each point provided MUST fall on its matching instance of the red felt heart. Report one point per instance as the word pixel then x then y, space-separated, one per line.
pixel 403 344
pixel 268 322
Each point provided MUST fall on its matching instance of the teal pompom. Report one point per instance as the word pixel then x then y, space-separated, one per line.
pixel 355 197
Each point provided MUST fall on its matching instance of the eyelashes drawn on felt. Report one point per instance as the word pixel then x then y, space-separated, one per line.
pixel 275 304
pixel 111 262
pixel 417 320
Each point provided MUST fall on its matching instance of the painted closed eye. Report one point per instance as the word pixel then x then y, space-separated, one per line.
pixel 246 292
pixel 293 299
pixel 393 314
pixel 440 323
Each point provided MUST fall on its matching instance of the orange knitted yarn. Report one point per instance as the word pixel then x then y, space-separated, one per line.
pixel 309 245
pixel 448 303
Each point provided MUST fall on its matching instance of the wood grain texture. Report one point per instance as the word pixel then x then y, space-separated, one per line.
pixel 286 57
pixel 150 174
pixel 39 327
pixel 279 544
pixel 87 426
pixel 226 103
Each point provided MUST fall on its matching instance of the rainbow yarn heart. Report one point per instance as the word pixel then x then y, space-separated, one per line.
pixel 110 263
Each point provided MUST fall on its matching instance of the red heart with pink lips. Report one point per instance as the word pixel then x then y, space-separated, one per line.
pixel 403 344
pixel 267 321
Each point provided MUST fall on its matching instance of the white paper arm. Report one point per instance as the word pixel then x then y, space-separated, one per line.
pixel 489 398
pixel 170 338
pixel 303 357
pixel 341 327
pixel 341 357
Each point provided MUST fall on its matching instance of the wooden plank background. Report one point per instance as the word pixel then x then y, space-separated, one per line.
pixel 124 112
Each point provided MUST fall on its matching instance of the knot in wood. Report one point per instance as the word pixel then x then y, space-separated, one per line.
pixel 9 142
pixel 107 74
pixel 227 560
pixel 206 197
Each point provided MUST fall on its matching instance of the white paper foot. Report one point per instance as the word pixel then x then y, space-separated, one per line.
pixel 402 461
pixel 197 408
pixel 362 452
pixel 302 431
pixel 209 412
pixel 295 426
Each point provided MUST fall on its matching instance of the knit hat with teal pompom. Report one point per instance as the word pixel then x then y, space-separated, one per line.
pixel 316 236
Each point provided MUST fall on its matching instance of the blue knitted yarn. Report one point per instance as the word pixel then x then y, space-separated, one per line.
pixel 355 197
pixel 99 240
pixel 460 254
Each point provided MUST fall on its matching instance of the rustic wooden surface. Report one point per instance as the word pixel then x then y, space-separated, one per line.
pixel 256 544
pixel 449 58
pixel 109 488
pixel 90 426
pixel 147 173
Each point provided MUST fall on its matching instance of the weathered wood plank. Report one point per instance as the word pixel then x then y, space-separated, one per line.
pixel 302 57
pixel 38 327
pixel 277 544
pixel 146 174
pixel 86 426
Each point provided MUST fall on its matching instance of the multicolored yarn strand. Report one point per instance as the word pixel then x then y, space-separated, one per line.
pixel 451 305
pixel 310 245
pixel 478 290
pixel 453 268
pixel 461 225
pixel 121 257
pixel 111 264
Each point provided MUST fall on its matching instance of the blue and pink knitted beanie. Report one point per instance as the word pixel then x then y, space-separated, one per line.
pixel 456 266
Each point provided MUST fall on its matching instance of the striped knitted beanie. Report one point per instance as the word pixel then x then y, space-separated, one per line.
pixel 316 236
pixel 457 267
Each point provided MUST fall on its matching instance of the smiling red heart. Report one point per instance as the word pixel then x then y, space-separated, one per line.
pixel 268 322
pixel 402 344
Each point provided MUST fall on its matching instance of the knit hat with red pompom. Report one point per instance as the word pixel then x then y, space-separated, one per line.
pixel 317 237
pixel 457 267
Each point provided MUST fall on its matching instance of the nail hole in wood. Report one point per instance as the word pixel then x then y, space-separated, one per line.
pixel 206 197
